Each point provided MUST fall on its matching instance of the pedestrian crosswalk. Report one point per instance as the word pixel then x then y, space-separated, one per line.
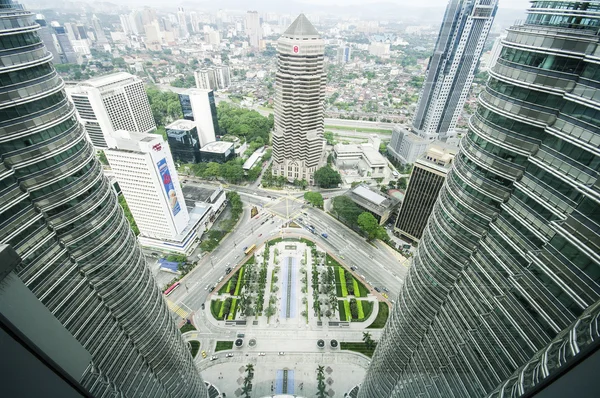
pixel 177 309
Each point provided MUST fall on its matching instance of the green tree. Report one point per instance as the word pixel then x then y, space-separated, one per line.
pixel 402 183
pixel 346 209
pixel 314 198
pixel 128 215
pixel 254 173
pixel 213 170
pixel 328 135
pixel 368 340
pixel 102 157
pixel 368 223
pixel 326 177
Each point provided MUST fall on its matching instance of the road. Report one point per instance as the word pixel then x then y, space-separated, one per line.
pixel 380 266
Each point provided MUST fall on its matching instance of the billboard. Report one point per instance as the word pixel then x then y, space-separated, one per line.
pixel 163 169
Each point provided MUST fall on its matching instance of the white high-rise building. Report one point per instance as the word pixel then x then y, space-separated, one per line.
pixel 215 78
pixel 253 29
pixel 299 102
pixel 181 20
pixel 144 168
pixel 198 105
pixel 126 23
pixel 109 103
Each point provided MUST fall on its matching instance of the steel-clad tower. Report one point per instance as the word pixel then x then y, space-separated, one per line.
pixel 299 102
pixel 505 285
pixel 78 254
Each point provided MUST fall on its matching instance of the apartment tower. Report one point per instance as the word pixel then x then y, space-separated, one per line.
pixel 253 29
pixel 505 285
pixel 76 252
pixel 450 72
pixel 299 102
pixel 112 102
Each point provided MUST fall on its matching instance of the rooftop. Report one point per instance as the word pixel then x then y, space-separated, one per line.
pixel 217 147
pixel 301 27
pixel 131 140
pixel 106 80
pixel 193 194
pixel 181 124
pixel 375 202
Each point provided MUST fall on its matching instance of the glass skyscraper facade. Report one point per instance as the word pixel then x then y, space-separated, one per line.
pixel 510 257
pixel 79 256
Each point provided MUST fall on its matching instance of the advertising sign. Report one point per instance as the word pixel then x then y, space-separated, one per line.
pixel 168 184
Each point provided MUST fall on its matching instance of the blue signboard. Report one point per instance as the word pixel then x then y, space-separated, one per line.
pixel 168 184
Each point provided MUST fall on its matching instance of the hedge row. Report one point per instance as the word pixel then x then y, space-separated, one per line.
pixel 343 285
pixel 239 282
pixel 233 309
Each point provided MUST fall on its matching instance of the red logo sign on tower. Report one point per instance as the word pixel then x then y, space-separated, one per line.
pixel 296 49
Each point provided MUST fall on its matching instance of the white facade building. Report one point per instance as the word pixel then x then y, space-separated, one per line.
pixel 198 105
pixel 379 49
pixel 406 146
pixel 253 29
pixel 215 78
pixel 360 162
pixel 109 103
pixel 146 173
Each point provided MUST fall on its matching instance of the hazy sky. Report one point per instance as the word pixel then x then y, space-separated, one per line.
pixel 503 3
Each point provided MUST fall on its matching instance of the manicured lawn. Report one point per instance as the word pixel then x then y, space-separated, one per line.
pixel 239 282
pixel 356 288
pixel 347 310
pixel 225 288
pixel 363 289
pixel 338 285
pixel 224 345
pixel 382 316
pixel 367 307
pixel 342 310
pixel 215 308
pixel 194 347
pixel 361 314
pixel 233 309
pixel 358 347
pixel 188 327
pixel 343 278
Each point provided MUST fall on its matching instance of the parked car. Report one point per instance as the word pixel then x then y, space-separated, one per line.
pixel 353 268
pixel 385 289
pixel 281 353
pixel 230 355
pixel 203 354
pixel 228 270
pixel 211 289
pixel 219 280
pixel 261 354
pixel 378 290
pixel 213 357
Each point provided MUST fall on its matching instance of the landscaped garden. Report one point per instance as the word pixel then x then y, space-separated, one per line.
pixel 382 316
pixel 224 345
pixel 194 347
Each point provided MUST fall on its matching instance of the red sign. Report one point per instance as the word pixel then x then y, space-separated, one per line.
pixel 157 147
pixel 296 50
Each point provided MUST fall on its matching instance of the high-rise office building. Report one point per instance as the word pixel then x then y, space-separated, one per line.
pixel 46 33
pixel 425 183
pixel 299 97
pixel 199 106
pixel 184 141
pixel 214 78
pixel 253 29
pixel 101 39
pixel 344 54
pixel 109 103
pixel 451 68
pixel 68 55
pixel 182 22
pixel 78 256
pixel 144 168
pixel 510 258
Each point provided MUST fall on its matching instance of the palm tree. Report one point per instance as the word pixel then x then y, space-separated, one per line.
pixel 368 341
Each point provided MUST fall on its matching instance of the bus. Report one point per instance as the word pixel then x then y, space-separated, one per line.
pixel 171 288
pixel 249 250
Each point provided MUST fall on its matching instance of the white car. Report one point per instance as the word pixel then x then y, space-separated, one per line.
pixel 281 353
pixel 213 357
pixel 230 355
pixel 261 354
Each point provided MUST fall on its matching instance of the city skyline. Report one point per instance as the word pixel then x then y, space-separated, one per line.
pixel 254 202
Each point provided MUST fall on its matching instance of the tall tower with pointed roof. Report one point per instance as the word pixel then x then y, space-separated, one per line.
pixel 299 102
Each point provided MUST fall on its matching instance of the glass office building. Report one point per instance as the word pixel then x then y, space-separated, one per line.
pixel 509 263
pixel 77 253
